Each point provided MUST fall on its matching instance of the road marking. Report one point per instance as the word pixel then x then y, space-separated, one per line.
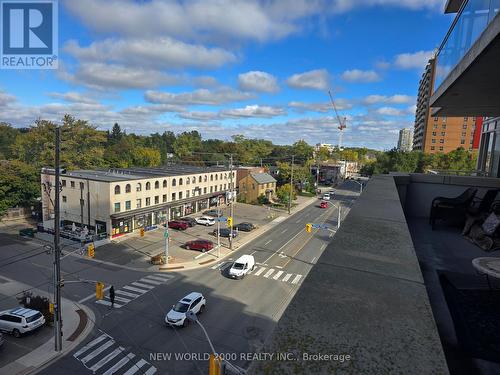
pixel 136 367
pixel 262 269
pixel 92 295
pixel 108 303
pixel 142 291
pixel 119 364
pixel 323 247
pixel 142 285
pixel 284 230
pixel 98 351
pixel 331 234
pixel 253 252
pixel 288 275
pixel 277 276
pixel 279 267
pixel 268 242
pixel 121 299
pixel 159 278
pixel 277 251
pixel 296 280
pixel 90 345
pixel 216 266
pixel 298 221
pixel 151 371
pixel 313 259
pixel 128 294
pixel 269 272
pixel 150 281
pixel 106 359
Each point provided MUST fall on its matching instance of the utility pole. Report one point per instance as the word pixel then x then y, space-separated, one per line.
pixel 291 189
pixel 166 238
pixel 232 201
pixel 57 250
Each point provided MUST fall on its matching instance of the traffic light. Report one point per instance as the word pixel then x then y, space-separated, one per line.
pixel 309 227
pixel 51 308
pixel 91 250
pixel 142 232
pixel 99 290
pixel 229 222
pixel 214 365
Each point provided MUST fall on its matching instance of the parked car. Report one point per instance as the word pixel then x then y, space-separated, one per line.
pixel 194 301
pixel 245 227
pixel 191 221
pixel 213 213
pixel 242 266
pixel 202 245
pixel 323 204
pixel 20 320
pixel 225 232
pixel 177 224
pixel 326 197
pixel 205 220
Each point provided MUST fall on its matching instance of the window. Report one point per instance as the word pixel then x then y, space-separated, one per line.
pixel 444 119
pixel 138 203
pixel 164 183
pixel 180 182
pixel 199 179
pixel 433 140
pixel 204 190
pixel 253 186
pixel 466 119
pixel 157 199
pixel 174 182
pixel 205 178
pixel 434 134
pixel 82 186
pixel 157 184
pixel 188 181
pixel 164 198
pixel 211 189
pixel 464 126
pixel 435 126
pixel 443 134
pixel 127 205
pixel 180 194
pixel 148 185
pixel 464 134
pixel 441 140
pixel 433 148
pixel 173 196
pixel 127 188
pixel 440 148
pixel 138 187
pixel 117 207
pixel 63 182
pixel 211 177
pixel 436 118
pixel 117 189
pixel 443 126
pixel 187 193
pixel 225 176
pixel 64 198
pixel 221 176
pixel 225 186
pixel 216 177
pixel 148 202
pixel 462 141
pixel 193 180
pixel 72 183
pixel 193 192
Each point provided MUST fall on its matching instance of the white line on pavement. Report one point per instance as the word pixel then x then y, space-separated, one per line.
pixel 90 345
pixel 279 267
pixel 136 367
pixel 98 351
pixel 284 230
pixel 159 278
pixel 313 259
pixel 259 271
pixel 298 221
pixel 296 280
pixel 128 294
pixel 268 273
pixel 268 242
pixel 144 280
pixel 253 252
pixel 92 295
pixel 142 291
pixel 277 276
pixel 119 364
pixel 323 247
pixel 288 275
pixel 106 359
pixel 108 303
pixel 142 285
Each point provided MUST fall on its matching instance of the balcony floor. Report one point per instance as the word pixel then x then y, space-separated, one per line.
pixel 467 313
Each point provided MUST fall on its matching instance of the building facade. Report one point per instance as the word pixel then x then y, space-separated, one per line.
pixel 253 185
pixel 441 133
pixel 405 141
pixel 110 203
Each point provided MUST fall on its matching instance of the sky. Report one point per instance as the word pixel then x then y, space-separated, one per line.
pixel 262 69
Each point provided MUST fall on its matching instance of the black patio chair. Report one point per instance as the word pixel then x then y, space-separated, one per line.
pixel 483 205
pixel 446 208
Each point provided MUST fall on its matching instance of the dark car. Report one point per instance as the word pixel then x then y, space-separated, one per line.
pixel 177 224
pixel 213 213
pixel 245 227
pixel 224 232
pixel 202 245
pixel 191 221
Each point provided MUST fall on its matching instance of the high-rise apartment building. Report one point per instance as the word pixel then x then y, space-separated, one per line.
pixel 405 141
pixel 440 133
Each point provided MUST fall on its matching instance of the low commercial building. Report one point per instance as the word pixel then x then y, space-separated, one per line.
pixel 114 202
pixel 253 185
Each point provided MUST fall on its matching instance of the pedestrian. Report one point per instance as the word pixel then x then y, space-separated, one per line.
pixel 112 296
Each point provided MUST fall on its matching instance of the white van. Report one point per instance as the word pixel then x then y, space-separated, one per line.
pixel 241 266
pixel 326 197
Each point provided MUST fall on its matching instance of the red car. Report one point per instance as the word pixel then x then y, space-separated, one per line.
pixel 179 225
pixel 202 245
pixel 323 205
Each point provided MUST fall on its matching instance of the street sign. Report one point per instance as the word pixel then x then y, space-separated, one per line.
pixel 320 226
pixel 221 219
pixel 165 234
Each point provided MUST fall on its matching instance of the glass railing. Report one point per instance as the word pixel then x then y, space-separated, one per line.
pixel 471 20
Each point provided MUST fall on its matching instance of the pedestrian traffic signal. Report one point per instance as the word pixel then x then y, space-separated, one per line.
pixel 309 228
pixel 51 308
pixel 142 232
pixel 229 222
pixel 91 250
pixel 99 290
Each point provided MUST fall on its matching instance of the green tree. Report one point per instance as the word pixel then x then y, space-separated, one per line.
pixel 8 136
pixel 302 151
pixel 186 143
pixel 20 184
pixel 146 157
pixel 283 193
pixel 323 154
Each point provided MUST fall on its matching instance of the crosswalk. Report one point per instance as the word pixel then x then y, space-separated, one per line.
pixel 268 273
pixel 136 289
pixel 105 357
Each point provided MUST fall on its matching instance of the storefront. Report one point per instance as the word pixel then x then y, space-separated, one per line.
pixel 121 226
pixel 176 212
pixel 202 204
pixel 160 217
pixel 189 208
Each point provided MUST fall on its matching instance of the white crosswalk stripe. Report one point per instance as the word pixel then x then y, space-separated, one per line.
pixel 133 289
pixel 107 303
pixel 287 276
pixel 277 276
pixel 259 271
pixel 159 278
pixel 269 273
pixel 104 357
pixel 144 280
pixel 274 274
pixel 128 294
pixel 141 285
pixel 296 280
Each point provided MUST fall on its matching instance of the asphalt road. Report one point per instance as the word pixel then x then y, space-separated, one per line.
pixel 240 314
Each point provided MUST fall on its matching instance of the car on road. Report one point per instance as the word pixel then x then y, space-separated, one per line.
pixel 245 227
pixel 213 213
pixel 323 204
pixel 202 245
pixel 326 197
pixel 242 266
pixel 225 232
pixel 177 224
pixel 194 302
pixel 205 220
pixel 191 221
pixel 20 320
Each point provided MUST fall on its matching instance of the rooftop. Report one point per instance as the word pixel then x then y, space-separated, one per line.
pixel 263 178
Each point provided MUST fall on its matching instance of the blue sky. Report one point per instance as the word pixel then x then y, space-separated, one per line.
pixel 224 67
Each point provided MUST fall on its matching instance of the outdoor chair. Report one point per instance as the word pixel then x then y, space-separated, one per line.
pixel 446 208
pixel 481 206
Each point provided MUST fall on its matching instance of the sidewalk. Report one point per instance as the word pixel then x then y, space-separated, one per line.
pixel 78 322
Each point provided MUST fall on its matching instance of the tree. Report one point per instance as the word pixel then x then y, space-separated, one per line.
pixel 302 151
pixel 146 157
pixel 7 138
pixel 186 143
pixel 115 135
pixel 283 193
pixel 323 154
pixel 20 184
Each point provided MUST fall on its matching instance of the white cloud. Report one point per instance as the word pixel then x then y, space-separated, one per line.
pixel 6 99
pixel 391 111
pixel 253 111
pixel 318 79
pixel 199 115
pixel 72 96
pixel 356 75
pixel 416 60
pixel 204 81
pixel 219 96
pixel 341 104
pixel 159 52
pixel 394 99
pixel 258 81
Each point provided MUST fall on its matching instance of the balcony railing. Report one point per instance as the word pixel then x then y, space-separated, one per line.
pixel 471 20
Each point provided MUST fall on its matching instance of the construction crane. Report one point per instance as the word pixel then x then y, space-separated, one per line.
pixel 342 124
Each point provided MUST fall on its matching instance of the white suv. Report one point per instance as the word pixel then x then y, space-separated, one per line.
pixel 194 302
pixel 205 220
pixel 20 320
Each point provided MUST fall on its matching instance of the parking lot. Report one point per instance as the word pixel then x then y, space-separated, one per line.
pixel 136 249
